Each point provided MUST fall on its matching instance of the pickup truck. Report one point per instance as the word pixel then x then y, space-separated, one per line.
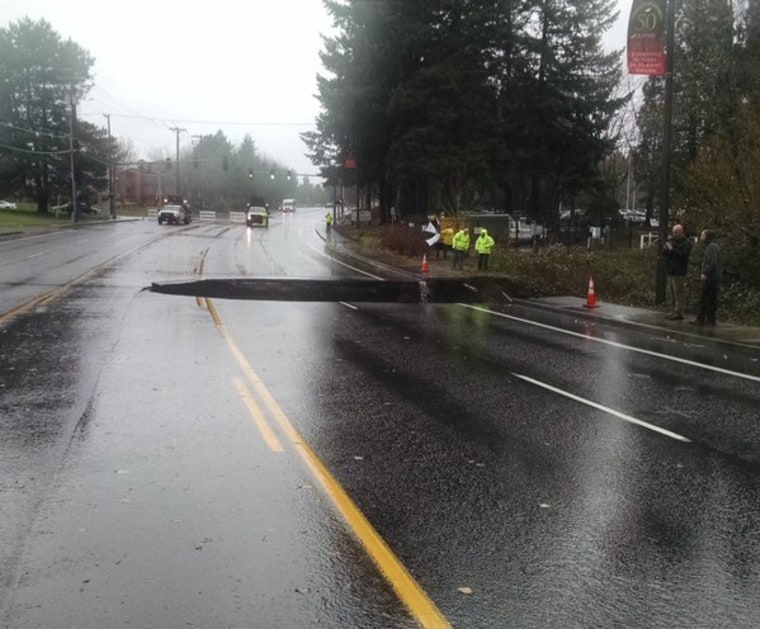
pixel 174 214
pixel 257 216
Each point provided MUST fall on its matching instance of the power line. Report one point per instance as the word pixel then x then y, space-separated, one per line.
pixel 211 122
pixel 10 125
pixel 33 152
pixel 118 104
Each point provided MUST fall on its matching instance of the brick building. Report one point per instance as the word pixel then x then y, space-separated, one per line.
pixel 144 185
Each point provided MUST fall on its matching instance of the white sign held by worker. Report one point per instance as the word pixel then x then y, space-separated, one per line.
pixel 430 228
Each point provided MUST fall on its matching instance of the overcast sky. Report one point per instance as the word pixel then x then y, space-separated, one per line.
pixel 243 66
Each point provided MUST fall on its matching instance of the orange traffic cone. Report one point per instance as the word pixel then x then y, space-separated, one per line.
pixel 591 301
pixel 425 265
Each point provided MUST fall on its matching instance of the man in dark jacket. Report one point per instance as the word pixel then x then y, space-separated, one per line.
pixel 676 252
pixel 712 273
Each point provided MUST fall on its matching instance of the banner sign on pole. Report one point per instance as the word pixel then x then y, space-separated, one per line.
pixel 646 38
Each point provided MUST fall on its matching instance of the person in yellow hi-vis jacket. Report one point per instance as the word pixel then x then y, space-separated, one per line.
pixel 328 222
pixel 447 240
pixel 461 246
pixel 483 245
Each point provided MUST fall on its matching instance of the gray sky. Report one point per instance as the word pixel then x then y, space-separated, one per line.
pixel 243 66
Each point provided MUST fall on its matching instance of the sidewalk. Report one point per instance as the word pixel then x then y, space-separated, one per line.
pixel 19 231
pixel 611 313
pixel 653 319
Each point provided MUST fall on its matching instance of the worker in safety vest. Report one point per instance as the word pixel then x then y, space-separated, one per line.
pixel 447 240
pixel 483 245
pixel 461 246
pixel 328 222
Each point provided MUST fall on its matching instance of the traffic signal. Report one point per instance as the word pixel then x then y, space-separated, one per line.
pixel 271 174
pixel 290 174
pixel 250 174
pixel 168 163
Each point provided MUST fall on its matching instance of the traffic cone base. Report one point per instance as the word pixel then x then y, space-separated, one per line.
pixel 591 300
pixel 425 265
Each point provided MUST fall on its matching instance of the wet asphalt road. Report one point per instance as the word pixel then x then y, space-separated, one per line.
pixel 150 475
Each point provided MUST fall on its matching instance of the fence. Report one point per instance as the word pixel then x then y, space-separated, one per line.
pixel 618 237
pixel 205 215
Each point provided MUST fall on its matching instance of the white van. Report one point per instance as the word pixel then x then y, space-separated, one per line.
pixel 288 205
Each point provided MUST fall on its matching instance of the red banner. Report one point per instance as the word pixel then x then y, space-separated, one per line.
pixel 646 38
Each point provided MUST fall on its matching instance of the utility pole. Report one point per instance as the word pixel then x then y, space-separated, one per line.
pixel 666 149
pixel 197 142
pixel 72 118
pixel 177 131
pixel 111 206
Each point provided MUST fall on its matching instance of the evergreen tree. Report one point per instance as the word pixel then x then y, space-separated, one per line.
pixel 706 93
pixel 41 75
pixel 440 99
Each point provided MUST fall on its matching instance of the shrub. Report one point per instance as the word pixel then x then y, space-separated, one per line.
pixel 408 241
pixel 740 303
pixel 621 276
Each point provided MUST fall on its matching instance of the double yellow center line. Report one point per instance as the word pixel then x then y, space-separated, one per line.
pixel 422 608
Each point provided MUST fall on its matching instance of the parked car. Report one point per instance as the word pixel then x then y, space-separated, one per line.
pixel 525 231
pixel 257 216
pixel 633 216
pixel 365 216
pixel 7 205
pixel 84 208
pixel 174 215
pixel 566 215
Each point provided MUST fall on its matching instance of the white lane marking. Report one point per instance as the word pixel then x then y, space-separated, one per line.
pixel 567 394
pixel 348 266
pixel 347 305
pixel 25 258
pixel 601 407
pixel 683 361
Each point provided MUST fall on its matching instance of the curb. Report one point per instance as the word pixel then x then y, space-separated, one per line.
pixel 576 311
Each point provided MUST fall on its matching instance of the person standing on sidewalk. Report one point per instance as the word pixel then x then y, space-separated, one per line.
pixel 461 246
pixel 483 245
pixel 328 223
pixel 712 273
pixel 676 252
